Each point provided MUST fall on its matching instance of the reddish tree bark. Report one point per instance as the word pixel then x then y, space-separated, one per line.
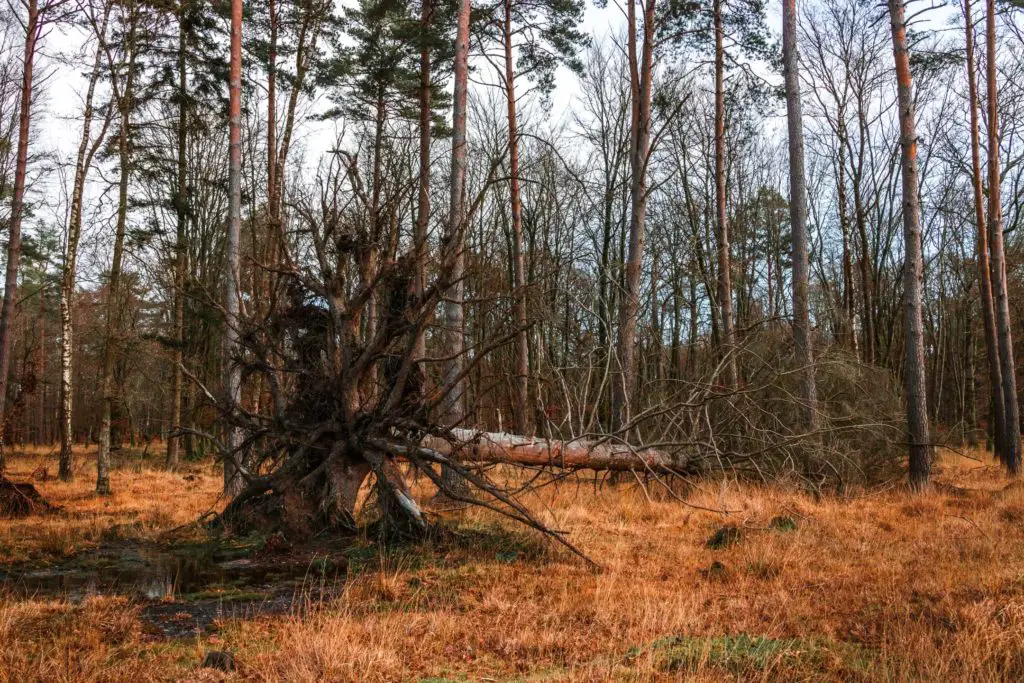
pixel 1011 455
pixel 984 267
pixel 640 76
pixel 914 366
pixel 33 27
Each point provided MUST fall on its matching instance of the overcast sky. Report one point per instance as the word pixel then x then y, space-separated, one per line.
pixel 62 102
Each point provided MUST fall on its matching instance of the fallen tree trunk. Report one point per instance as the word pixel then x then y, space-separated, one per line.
pixel 318 487
pixel 484 447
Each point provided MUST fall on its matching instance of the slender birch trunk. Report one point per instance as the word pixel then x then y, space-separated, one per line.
pixel 914 365
pixel 87 149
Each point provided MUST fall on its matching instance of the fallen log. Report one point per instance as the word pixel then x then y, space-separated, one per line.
pixel 493 447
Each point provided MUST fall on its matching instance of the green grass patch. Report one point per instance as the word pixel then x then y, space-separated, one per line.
pixel 744 653
pixel 783 523
pixel 726 537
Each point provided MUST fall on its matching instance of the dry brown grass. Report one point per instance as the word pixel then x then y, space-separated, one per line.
pixel 146 501
pixel 877 586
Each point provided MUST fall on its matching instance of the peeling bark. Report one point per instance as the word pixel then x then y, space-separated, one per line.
pixel 525 450
pixel 87 149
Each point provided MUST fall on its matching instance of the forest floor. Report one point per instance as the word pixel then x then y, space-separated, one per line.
pixel 872 586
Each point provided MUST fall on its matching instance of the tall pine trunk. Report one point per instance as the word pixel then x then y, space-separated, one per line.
pixel 1011 455
pixel 998 409
pixel 914 366
pixel 798 216
pixel 724 259
pixel 454 407
pixel 272 117
pixel 232 377
pixel 640 75
pixel 181 211
pixel 522 349
pixel 33 27
pixel 423 202
pixel 112 332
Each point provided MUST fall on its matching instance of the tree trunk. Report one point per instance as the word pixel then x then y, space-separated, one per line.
pixel 860 215
pixel 272 114
pixel 311 496
pixel 423 204
pixel 113 326
pixel 640 75
pixel 984 269
pixel 798 216
pixel 453 409
pixel 232 375
pixel 41 370
pixel 914 369
pixel 522 349
pixel 534 452
pixel 33 27
pixel 87 149
pixel 180 251
pixel 849 327
pixel 1011 456
pixel 371 263
pixel 724 265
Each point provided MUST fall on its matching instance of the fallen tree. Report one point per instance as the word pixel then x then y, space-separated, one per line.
pixel 317 486
pixel 497 448
pixel 346 396
pixel 349 399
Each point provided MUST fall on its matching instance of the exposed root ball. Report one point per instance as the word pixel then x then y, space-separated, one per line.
pixel 20 500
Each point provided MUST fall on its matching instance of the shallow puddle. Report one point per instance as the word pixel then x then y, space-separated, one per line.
pixel 184 590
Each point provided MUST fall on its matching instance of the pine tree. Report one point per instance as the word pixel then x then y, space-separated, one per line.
pixel 536 36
